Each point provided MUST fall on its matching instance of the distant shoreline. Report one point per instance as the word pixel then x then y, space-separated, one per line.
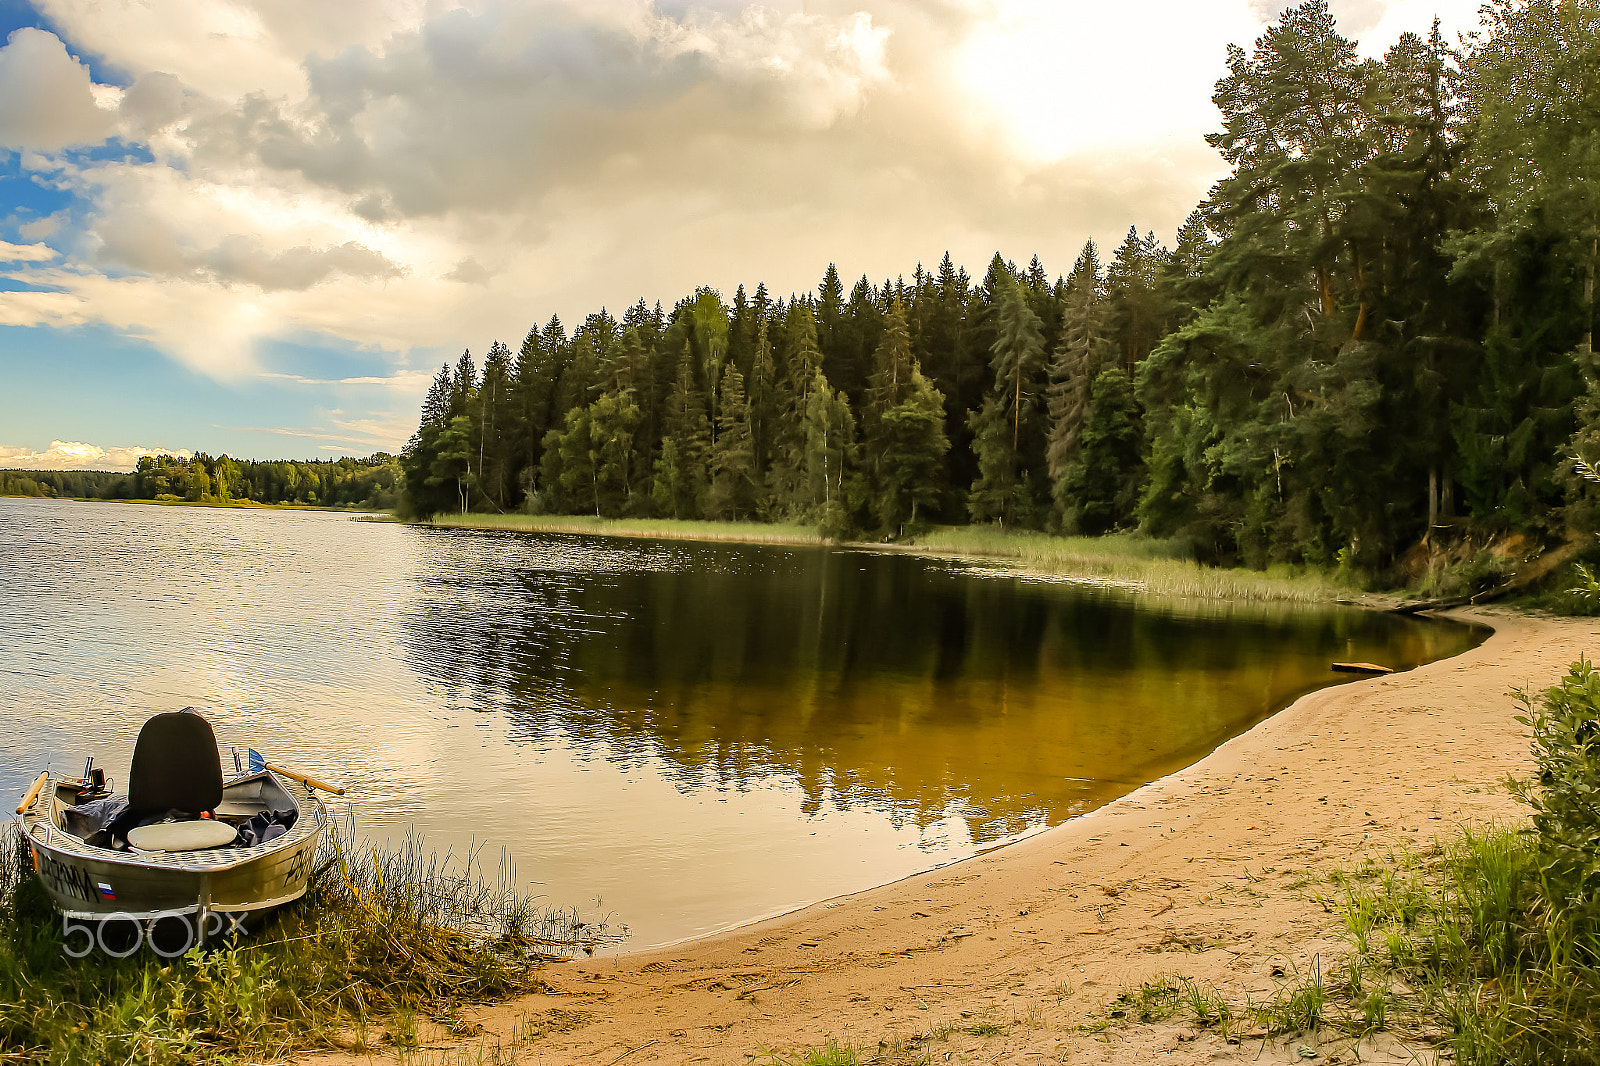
pixel 237 505
pixel 635 528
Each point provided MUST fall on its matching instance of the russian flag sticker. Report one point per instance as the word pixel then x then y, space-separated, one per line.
pixel 105 891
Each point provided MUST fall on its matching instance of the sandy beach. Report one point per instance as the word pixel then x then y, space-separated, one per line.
pixel 1202 874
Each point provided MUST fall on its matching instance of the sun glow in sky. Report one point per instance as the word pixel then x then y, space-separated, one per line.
pixel 1061 78
pixel 258 226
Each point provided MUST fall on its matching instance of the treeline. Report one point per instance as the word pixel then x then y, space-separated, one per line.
pixel 372 482
pixel 1376 328
pixel 71 484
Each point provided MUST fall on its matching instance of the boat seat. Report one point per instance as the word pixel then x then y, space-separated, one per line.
pixel 192 835
pixel 175 766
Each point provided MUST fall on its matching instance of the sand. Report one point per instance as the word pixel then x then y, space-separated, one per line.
pixel 1208 873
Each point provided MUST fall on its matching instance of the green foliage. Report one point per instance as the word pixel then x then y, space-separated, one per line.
pixel 372 483
pixel 1099 491
pixel 380 936
pixel 1565 798
pixel 733 488
pixel 830 437
pixel 912 445
pixel 1376 331
pixel 66 484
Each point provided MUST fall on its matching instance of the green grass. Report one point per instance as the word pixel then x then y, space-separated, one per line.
pixel 1451 946
pixel 830 1054
pixel 662 528
pixel 1122 561
pixel 1137 564
pixel 382 939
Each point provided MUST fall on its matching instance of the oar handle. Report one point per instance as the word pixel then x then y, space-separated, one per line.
pixel 33 793
pixel 310 782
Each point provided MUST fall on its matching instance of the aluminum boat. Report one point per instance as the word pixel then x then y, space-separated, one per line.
pixel 184 841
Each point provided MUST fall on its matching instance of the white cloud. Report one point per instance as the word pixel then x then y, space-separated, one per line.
pixel 47 99
pixel 1392 18
pixel 40 228
pixel 76 455
pixel 405 380
pixel 432 174
pixel 385 433
pixel 26 253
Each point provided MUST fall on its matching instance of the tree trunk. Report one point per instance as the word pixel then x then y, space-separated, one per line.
pixel 1433 502
pixel 1361 289
pixel 1016 415
pixel 1588 292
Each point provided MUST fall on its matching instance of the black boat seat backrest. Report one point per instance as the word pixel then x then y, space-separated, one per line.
pixel 175 766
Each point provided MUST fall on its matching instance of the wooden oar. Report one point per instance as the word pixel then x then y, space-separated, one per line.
pixel 33 793
pixel 310 782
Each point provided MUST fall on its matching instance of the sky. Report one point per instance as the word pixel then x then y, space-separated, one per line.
pixel 258 227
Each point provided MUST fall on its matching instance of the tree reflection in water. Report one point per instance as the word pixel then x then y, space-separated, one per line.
pixel 921 688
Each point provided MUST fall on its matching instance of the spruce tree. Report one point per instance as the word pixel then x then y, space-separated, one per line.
pixel 912 444
pixel 732 489
pixel 1085 348
pixel 681 476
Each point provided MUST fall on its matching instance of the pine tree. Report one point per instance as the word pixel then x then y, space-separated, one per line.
pixel 801 364
pixel 993 495
pixel 732 490
pixel 1100 490
pixel 496 409
pixel 613 423
pixel 1017 354
pixel 422 499
pixel 892 362
pixel 1084 350
pixel 451 470
pixel 681 477
pixel 912 444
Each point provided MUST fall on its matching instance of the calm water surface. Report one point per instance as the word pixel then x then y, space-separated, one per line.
pixel 682 736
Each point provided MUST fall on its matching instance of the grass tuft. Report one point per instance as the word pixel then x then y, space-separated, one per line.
pixel 382 939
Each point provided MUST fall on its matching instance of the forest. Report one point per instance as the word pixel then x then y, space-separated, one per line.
pixel 371 483
pixel 1376 330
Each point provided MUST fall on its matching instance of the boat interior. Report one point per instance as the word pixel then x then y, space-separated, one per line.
pixel 177 799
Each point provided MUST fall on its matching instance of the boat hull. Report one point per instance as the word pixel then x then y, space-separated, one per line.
pixel 87 882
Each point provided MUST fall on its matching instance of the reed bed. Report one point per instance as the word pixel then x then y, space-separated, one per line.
pixel 1132 563
pixel 655 528
pixel 383 938
pixel 1165 568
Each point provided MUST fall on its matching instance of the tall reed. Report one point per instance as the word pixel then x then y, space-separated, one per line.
pixel 656 528
pixel 1136 563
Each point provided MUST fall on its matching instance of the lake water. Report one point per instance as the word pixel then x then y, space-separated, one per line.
pixel 682 736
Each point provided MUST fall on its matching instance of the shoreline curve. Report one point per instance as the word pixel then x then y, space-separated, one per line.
pixel 1205 873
